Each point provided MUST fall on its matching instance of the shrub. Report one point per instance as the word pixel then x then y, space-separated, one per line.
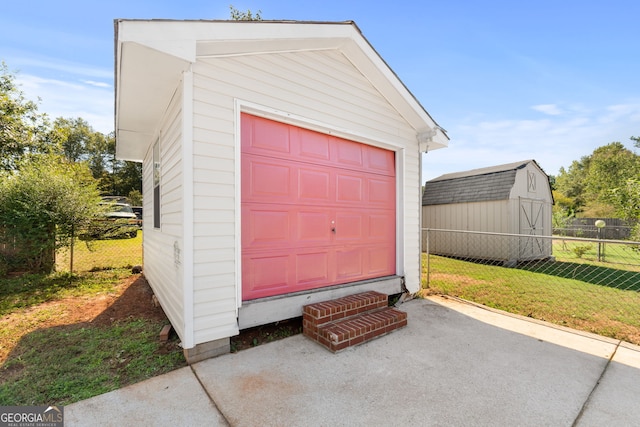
pixel 40 205
pixel 580 250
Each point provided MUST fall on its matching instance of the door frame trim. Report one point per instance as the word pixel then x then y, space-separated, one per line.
pixel 243 106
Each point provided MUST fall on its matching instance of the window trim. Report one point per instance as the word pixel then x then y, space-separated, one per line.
pixel 156 184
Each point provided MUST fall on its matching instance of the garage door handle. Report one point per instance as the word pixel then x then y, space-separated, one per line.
pixel 333 229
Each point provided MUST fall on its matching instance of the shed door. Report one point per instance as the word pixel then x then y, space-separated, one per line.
pixel 317 210
pixel 532 225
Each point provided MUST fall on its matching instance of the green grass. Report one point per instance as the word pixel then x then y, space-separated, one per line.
pixel 47 359
pixel 94 255
pixel 565 293
pixel 33 289
pixel 610 253
pixel 69 363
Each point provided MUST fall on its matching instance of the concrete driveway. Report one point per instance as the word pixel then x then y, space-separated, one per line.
pixel 455 364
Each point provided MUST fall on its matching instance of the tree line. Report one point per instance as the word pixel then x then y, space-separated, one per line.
pixel 53 174
pixel 26 134
pixel 604 184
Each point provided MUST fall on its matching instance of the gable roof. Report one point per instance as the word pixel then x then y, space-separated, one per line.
pixel 151 55
pixel 476 185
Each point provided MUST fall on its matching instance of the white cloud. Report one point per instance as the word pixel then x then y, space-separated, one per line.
pixel 59 98
pixel 614 113
pixel 96 84
pixel 550 109
pixel 56 64
pixel 553 141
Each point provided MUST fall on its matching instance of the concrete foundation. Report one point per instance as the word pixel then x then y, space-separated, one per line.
pixel 207 350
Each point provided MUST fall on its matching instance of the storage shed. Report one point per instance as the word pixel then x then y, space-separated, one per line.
pixel 281 167
pixel 513 198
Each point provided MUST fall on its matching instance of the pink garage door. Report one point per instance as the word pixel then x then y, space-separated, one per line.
pixel 316 210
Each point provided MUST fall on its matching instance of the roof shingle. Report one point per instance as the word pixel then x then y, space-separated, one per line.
pixel 477 185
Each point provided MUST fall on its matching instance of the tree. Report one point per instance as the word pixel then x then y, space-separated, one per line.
pixel 596 183
pixel 236 15
pixel 21 126
pixel 563 204
pixel 127 179
pixel 571 182
pixel 627 199
pixel 76 140
pixel 41 206
pixel 609 168
pixel 51 176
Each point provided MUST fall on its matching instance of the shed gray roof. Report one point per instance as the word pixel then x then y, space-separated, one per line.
pixel 477 185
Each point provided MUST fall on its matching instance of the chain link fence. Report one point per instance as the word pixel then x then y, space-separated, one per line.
pixel 614 228
pixel 587 284
pixel 104 252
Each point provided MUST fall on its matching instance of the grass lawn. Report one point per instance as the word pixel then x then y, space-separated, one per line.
pixel 101 254
pixel 66 337
pixel 573 298
pixel 611 254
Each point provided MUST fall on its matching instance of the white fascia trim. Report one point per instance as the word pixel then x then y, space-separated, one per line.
pixel 187 202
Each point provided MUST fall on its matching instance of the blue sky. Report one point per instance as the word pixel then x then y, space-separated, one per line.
pixel 509 80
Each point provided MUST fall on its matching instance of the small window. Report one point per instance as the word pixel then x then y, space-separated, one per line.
pixel 156 185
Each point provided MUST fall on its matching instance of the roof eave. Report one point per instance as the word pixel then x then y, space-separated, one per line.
pixel 150 57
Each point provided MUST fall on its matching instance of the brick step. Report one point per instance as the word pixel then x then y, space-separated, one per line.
pixel 328 311
pixel 351 320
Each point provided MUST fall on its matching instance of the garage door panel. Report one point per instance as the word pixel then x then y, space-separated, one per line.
pixel 349 188
pixel 350 264
pixel 317 210
pixel 313 227
pixel 266 226
pixel 314 146
pixel 380 161
pixel 266 137
pixel 267 179
pixel 312 268
pixel 349 226
pixel 314 185
pixel 266 275
pixel 380 260
pixel 349 154
pixel 380 191
pixel 381 226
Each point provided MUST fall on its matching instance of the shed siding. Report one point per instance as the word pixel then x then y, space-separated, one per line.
pixel 321 86
pixel 499 216
pixel 162 269
pixel 479 216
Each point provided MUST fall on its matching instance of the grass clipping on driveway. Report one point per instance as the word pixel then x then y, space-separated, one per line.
pixel 66 338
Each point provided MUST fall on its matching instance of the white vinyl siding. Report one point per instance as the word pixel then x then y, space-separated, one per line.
pixel 163 261
pixel 323 87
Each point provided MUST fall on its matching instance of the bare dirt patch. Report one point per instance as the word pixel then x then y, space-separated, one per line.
pixel 129 299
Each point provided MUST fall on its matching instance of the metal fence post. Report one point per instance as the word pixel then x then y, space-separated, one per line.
pixel 73 237
pixel 600 224
pixel 428 260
